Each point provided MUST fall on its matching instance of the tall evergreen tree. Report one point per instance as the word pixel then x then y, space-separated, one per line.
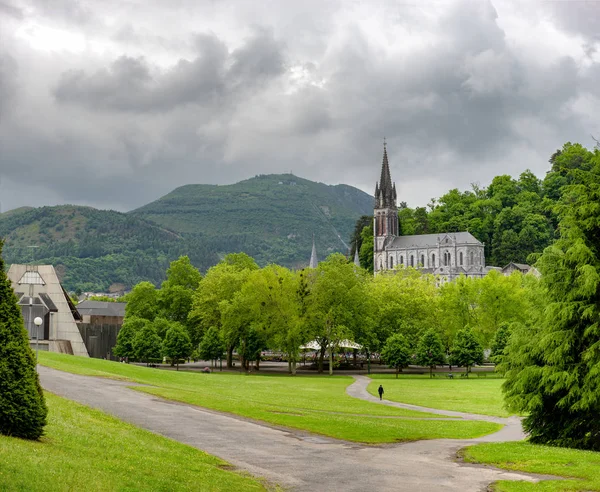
pixel 22 406
pixel 553 366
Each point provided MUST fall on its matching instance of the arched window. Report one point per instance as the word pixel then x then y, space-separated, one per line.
pixel 412 261
pixel 461 258
pixel 471 255
pixel 391 262
pixel 402 260
pixel 423 261
pixel 447 260
pixel 433 260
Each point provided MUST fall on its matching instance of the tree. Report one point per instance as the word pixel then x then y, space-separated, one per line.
pixel 466 350
pixel 338 305
pixel 131 326
pixel 146 344
pixel 22 406
pixel 499 342
pixel 142 301
pixel 176 344
pixel 430 351
pixel 552 365
pixel 176 293
pixel 214 294
pixel 406 302
pixel 211 346
pixel 396 353
pixel 365 252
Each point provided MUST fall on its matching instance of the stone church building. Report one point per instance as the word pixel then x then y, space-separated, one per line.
pixel 447 255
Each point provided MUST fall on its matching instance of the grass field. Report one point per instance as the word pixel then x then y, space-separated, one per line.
pixel 472 395
pixel 87 450
pixel 315 404
pixel 582 468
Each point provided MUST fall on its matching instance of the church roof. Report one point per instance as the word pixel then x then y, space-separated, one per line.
pixel 433 240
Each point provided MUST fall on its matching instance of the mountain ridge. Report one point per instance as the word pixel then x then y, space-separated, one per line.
pixel 270 217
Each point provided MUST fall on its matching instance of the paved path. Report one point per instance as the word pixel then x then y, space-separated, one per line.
pixel 294 459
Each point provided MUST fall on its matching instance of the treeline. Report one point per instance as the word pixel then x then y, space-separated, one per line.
pixel 514 218
pixel 240 307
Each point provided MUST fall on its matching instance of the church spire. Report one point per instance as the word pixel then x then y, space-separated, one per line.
pixel 385 190
pixel 356 259
pixel 313 256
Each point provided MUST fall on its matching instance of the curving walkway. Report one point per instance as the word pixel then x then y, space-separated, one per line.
pixel 294 459
pixel 512 430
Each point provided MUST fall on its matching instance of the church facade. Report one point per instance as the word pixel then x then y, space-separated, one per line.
pixel 446 255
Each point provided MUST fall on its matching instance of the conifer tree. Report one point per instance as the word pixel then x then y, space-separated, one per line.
pixel 22 406
pixel 553 365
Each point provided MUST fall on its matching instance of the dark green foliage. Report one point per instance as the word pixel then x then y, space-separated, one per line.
pixel 211 347
pixel 499 342
pixel 146 344
pixel 553 365
pixel 396 352
pixel 250 348
pixel 466 350
pixel 365 253
pixel 129 330
pixel 22 406
pixel 430 351
pixel 176 344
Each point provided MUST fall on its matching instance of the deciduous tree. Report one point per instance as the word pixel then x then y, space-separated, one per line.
pixel 466 350
pixel 396 353
pixel 430 351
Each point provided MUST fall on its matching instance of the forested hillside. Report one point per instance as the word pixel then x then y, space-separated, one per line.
pixel 271 218
pixel 95 249
pixel 513 217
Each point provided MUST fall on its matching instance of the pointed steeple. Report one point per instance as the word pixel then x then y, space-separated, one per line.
pixel 356 259
pixel 385 190
pixel 313 256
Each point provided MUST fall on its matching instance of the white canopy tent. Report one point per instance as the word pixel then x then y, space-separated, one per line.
pixel 314 345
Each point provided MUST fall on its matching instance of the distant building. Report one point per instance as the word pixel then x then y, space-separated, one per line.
pixel 40 294
pixel 102 312
pixel 519 267
pixel 447 255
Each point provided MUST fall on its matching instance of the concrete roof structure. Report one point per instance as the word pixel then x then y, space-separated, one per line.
pixel 52 303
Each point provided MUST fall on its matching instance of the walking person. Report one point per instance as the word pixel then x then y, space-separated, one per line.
pixel 380 391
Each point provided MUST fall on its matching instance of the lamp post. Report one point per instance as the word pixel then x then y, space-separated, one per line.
pixel 37 322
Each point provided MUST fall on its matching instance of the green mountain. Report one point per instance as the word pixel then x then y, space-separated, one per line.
pixel 271 218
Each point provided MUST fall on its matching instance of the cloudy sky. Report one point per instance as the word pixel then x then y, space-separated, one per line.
pixel 113 103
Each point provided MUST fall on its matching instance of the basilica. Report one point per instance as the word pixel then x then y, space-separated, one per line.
pixel 447 255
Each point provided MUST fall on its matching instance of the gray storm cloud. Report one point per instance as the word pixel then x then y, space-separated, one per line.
pixel 109 104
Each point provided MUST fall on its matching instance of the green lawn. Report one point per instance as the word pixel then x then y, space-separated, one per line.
pixel 581 467
pixel 87 450
pixel 315 404
pixel 473 395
